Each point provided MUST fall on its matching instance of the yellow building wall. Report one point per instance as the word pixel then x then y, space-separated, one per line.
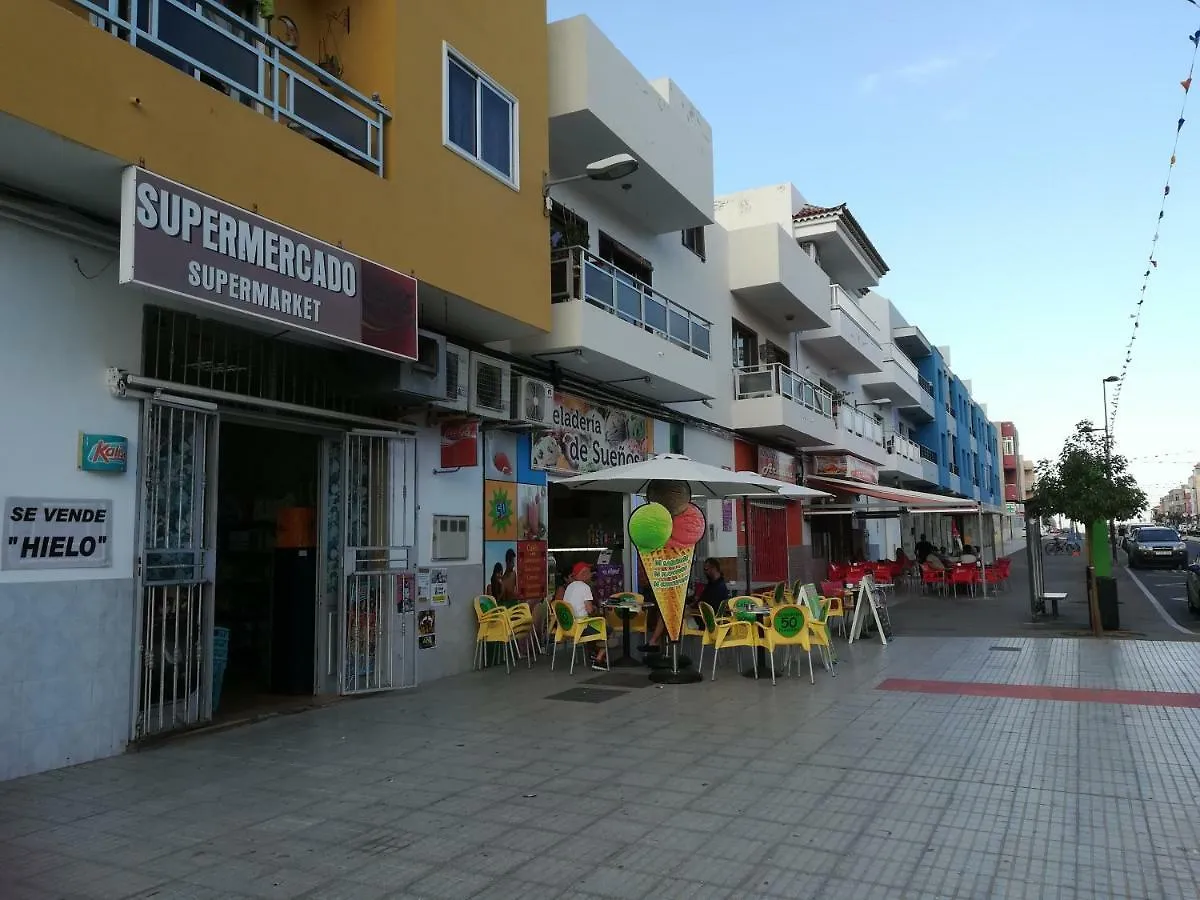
pixel 434 215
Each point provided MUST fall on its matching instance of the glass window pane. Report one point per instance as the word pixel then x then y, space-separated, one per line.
pixel 460 101
pixel 495 127
pixel 701 337
pixel 656 313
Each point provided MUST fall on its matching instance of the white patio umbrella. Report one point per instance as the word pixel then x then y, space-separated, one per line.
pixel 708 482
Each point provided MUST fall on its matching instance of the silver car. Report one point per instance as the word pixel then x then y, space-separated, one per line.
pixel 1157 546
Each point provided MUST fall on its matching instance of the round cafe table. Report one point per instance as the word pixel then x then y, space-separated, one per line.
pixel 626 611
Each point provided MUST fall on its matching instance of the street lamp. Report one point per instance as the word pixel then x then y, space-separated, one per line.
pixel 1112 531
pixel 611 168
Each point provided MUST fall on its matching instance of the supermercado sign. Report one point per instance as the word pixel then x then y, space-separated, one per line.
pixel 182 242
pixel 586 438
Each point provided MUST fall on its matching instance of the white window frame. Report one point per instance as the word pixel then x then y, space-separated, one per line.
pixel 513 179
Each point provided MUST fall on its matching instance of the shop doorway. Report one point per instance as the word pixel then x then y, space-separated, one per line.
pixel 267 564
pixel 587 526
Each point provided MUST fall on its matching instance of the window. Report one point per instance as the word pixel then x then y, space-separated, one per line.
pixel 1008 446
pixel 745 346
pixel 771 352
pixel 626 260
pixel 480 119
pixel 567 228
pixel 675 438
pixel 693 239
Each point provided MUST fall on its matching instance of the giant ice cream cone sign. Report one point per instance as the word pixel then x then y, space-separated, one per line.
pixel 665 532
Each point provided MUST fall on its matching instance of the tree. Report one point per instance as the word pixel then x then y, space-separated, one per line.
pixel 1081 486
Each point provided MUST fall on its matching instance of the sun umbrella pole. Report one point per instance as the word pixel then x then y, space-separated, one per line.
pixel 746 540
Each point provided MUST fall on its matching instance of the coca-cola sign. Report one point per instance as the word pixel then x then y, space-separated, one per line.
pixel 460 444
pixel 103 452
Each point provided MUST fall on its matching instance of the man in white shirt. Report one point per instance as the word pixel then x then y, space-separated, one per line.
pixel 578 596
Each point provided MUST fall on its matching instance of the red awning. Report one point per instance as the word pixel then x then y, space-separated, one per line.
pixel 913 499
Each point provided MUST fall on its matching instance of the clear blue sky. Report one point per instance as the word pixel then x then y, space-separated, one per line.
pixel 1007 160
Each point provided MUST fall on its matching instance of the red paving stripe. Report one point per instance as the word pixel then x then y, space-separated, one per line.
pixel 1042 692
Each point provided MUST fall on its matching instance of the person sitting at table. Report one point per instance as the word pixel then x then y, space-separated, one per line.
pixel 715 593
pixel 902 559
pixel 578 596
pixel 934 561
pixel 924 549
pixel 969 555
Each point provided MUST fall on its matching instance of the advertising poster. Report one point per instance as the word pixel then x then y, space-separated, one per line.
pixel 496 558
pixel 438 591
pixel 427 629
pixel 531 570
pixel 846 466
pixel 460 444
pixel 665 532
pixel 587 437
pixel 531 512
pixel 500 455
pixel 499 511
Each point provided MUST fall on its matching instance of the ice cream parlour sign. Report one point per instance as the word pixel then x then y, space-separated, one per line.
pixel 586 438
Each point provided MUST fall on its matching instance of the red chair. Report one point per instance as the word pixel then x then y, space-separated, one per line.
pixel 837 572
pixel 992 576
pixel 931 577
pixel 965 575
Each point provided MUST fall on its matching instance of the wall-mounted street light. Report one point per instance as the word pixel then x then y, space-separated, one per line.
pixel 611 168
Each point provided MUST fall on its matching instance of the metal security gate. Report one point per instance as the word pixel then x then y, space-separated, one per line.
pixel 175 570
pixel 378 633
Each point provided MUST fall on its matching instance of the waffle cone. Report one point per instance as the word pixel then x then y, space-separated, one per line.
pixel 669 571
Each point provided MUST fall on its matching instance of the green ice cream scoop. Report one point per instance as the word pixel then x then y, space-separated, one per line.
pixel 650 527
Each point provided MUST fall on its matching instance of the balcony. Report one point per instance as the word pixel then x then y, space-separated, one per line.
pixel 771 274
pixel 858 434
pixel 217 47
pixel 905 457
pixel 773 401
pixel 851 343
pixel 600 105
pixel 912 341
pixel 610 327
pixel 899 382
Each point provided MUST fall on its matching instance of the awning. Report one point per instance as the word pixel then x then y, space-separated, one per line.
pixel 916 501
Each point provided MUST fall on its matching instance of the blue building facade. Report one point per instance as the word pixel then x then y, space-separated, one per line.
pixel 964 440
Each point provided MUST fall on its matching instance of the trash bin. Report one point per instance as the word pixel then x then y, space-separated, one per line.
pixel 1106 599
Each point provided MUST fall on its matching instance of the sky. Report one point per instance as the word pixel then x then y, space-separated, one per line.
pixel 1008 161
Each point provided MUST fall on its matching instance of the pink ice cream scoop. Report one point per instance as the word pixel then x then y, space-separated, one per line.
pixel 687 527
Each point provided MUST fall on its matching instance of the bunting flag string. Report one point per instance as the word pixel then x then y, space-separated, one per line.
pixel 1152 261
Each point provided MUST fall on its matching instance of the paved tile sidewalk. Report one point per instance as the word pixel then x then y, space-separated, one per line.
pixel 480 786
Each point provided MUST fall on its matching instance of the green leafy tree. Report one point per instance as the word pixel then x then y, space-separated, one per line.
pixel 1080 485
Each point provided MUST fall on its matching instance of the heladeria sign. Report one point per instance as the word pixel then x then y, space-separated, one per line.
pixel 41 533
pixel 182 242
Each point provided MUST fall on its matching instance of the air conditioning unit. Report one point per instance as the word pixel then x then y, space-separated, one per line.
pixel 490 394
pixel 458 379
pixel 533 402
pixel 426 375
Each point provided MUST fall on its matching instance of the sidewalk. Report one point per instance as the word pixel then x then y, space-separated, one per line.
pixel 934 767
pixel 1008 613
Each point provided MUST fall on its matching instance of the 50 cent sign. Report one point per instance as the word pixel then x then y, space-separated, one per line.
pixel 42 533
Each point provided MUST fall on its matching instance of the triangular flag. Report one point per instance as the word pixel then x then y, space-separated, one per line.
pixel 1172 159
pixel 1166 190
pixel 1179 127
pixel 1195 38
pixel 1154 263
pixel 1187 83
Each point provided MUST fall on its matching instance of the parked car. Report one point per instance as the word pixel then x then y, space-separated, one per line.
pixel 1157 546
pixel 1193 588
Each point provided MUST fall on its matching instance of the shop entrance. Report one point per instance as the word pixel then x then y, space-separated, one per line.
pixel 587 526
pixel 267 562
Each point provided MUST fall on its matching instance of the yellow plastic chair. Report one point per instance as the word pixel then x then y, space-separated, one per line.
pixel 638 622
pixel 818 633
pixel 742 630
pixel 789 628
pixel 493 626
pixel 707 632
pixel 575 629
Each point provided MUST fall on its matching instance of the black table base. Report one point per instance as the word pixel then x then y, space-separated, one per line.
pixel 685 675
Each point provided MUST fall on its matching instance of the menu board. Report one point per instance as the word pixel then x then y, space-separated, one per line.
pixel 531 570
pixel 607 580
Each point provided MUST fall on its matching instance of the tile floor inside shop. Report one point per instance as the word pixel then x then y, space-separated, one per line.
pixel 480 786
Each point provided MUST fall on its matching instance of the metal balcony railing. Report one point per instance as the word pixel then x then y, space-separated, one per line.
pixel 928 453
pixel 953 469
pixel 218 47
pixel 775 378
pixel 903 448
pixel 852 421
pixel 576 275
pixel 840 299
pixel 926 384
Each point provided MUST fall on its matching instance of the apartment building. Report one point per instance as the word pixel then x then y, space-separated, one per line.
pixel 1015 486
pixel 219 234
